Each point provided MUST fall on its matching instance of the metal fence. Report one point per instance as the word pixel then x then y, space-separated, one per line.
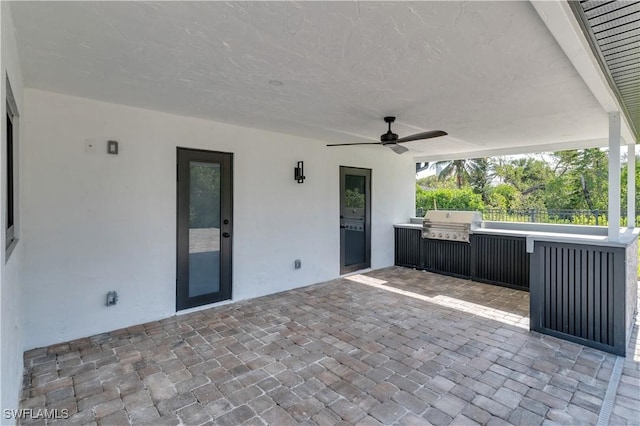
pixel 576 217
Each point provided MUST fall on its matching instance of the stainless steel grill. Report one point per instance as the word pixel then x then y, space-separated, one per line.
pixel 450 225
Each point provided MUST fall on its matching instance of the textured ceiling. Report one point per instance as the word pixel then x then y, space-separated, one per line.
pixel 489 73
pixel 614 27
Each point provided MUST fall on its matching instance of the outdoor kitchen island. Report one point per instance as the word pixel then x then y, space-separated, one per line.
pixel 583 287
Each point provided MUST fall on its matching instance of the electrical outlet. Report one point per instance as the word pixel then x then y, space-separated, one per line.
pixel 297 264
pixel 112 147
pixel 112 298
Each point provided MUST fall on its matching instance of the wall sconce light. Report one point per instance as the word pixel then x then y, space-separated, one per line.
pixel 298 172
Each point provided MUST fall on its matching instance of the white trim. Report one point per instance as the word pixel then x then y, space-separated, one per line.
pixel 12 234
pixel 614 176
pixel 631 185
pixel 561 22
pixel 204 307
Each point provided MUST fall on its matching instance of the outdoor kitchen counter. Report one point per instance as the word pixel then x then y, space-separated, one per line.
pixel 626 237
pixel 578 234
pixel 583 286
pixel 409 225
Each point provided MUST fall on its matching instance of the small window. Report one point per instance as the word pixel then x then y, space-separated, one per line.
pixel 11 172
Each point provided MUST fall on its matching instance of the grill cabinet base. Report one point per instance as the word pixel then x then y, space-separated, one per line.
pixel 490 259
pixel 584 293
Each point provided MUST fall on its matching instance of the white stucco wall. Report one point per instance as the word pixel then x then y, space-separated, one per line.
pixel 10 269
pixel 98 222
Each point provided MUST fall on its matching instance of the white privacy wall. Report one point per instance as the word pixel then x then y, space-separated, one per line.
pixel 10 284
pixel 99 222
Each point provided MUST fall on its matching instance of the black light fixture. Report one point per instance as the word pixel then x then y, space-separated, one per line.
pixel 298 172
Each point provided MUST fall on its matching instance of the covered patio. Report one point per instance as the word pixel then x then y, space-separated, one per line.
pixel 394 345
pixel 111 110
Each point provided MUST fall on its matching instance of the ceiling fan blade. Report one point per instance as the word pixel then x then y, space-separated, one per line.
pixel 398 149
pixel 357 143
pixel 424 135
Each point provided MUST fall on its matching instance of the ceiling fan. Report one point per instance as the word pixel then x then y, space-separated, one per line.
pixel 391 139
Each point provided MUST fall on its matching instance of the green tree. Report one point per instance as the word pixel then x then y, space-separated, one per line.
pixel 529 176
pixel 434 182
pixel 623 184
pixel 580 180
pixel 504 196
pixel 480 176
pixel 572 180
pixel 204 203
pixel 354 199
pixel 458 169
pixel 475 171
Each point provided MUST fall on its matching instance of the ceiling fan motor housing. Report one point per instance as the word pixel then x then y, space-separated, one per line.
pixel 388 137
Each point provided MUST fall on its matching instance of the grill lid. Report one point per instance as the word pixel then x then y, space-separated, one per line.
pixel 450 225
pixel 453 217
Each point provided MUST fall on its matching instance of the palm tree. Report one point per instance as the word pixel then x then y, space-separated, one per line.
pixel 459 169
pixel 480 176
pixel 475 171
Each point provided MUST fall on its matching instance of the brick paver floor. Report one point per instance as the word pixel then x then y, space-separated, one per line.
pixel 393 346
pixel 626 408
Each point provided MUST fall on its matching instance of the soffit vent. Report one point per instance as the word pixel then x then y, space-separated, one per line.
pixel 613 28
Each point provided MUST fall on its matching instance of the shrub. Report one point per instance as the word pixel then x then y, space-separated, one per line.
pixel 503 196
pixel 448 199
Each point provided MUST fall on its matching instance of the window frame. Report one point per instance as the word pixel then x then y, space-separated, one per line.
pixel 11 174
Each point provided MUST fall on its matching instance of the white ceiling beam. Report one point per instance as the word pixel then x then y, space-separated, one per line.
pixel 514 150
pixel 561 22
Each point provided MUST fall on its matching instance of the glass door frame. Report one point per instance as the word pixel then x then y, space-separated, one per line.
pixel 355 171
pixel 185 157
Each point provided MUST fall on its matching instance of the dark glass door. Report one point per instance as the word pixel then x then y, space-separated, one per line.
pixel 355 219
pixel 204 227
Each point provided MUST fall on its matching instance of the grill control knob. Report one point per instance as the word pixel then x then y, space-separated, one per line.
pixel 455 236
pixel 433 234
pixel 440 235
pixel 446 236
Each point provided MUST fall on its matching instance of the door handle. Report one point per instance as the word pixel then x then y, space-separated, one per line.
pixel 226 234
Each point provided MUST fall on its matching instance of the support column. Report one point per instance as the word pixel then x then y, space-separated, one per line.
pixel 631 185
pixel 614 176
